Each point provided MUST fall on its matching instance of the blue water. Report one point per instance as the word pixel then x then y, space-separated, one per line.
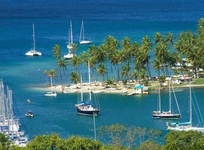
pixel 119 18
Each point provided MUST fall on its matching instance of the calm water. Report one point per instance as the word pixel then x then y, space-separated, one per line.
pixel 119 18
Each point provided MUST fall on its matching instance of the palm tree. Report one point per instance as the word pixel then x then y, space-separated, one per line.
pixel 76 61
pixel 61 65
pixel 51 73
pixel 125 71
pixel 112 46
pixel 157 37
pixel 100 54
pixel 84 57
pixel 142 75
pixel 200 26
pixel 157 65
pixel 111 43
pixel 56 51
pixel 91 50
pixel 110 82
pixel 115 59
pixel 102 70
pixel 144 53
pixel 74 48
pixel 169 38
pixel 162 54
pixel 75 77
pixel 126 44
pixel 134 75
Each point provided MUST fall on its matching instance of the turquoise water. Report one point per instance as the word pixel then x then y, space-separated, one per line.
pixel 119 18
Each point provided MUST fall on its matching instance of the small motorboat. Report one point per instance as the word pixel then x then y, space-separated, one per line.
pixel 28 101
pixel 29 114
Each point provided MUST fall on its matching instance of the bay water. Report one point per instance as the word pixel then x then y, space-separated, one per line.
pixel 119 18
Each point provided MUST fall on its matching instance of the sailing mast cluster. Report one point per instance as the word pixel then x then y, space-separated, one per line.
pixel 9 124
pixel 82 40
pixel 178 126
pixel 69 55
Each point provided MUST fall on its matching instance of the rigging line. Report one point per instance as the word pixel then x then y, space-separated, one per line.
pixel 175 99
pixel 96 100
pixel 198 108
pixel 196 112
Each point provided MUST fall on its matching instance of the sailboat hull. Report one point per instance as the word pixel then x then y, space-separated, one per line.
pixel 68 56
pixel 85 42
pixel 51 94
pixel 33 53
pixel 166 115
pixel 184 128
pixel 86 110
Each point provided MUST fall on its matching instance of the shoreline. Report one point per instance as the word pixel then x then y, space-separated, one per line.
pixel 97 87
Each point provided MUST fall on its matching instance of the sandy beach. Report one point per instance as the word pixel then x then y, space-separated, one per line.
pixel 99 87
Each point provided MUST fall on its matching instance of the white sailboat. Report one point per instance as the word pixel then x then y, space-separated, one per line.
pixel 33 51
pixel 167 114
pixel 84 108
pixel 9 124
pixel 82 39
pixel 187 126
pixel 69 55
pixel 51 92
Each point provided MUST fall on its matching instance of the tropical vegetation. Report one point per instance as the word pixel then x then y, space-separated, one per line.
pixel 130 60
pixel 118 137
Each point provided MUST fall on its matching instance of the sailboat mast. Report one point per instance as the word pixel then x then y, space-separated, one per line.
pixel 169 95
pixel 190 106
pixel 89 81
pixel 82 30
pixel 159 98
pixel 71 38
pixel 80 37
pixel 51 83
pixel 33 37
pixel 82 99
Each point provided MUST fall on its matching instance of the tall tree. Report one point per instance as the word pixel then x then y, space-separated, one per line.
pixel 75 77
pixel 187 140
pixel 51 73
pixel 76 61
pixel 102 70
pixel 56 51
pixel 62 66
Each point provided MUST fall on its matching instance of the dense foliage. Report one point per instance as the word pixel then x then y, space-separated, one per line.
pixel 120 138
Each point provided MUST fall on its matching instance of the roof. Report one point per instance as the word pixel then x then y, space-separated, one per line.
pixel 138 87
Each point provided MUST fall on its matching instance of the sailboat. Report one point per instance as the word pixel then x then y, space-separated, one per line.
pixel 82 39
pixel 69 55
pixel 84 108
pixel 167 114
pixel 33 51
pixel 51 92
pixel 187 126
pixel 10 125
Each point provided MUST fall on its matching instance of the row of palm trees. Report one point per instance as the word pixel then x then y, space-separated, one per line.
pixel 127 60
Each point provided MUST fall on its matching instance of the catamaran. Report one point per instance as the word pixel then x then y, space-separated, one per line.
pixel 33 51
